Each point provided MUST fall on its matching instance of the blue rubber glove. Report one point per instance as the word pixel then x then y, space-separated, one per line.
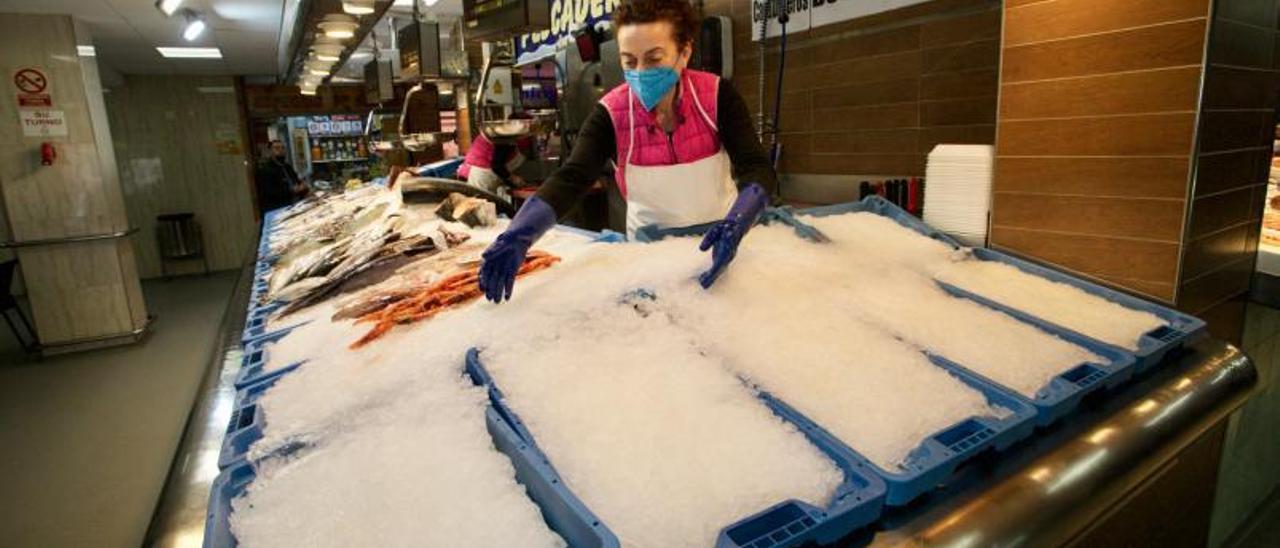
pixel 503 258
pixel 724 237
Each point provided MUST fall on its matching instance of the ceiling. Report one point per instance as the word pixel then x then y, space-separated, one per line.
pixel 126 32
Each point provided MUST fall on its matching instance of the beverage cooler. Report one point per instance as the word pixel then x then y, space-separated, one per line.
pixel 328 150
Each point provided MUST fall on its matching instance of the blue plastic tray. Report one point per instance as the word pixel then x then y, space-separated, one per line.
pixel 858 501
pixel 937 458
pixel 246 423
pixel 252 369
pixel 564 514
pixel 1181 329
pixel 255 326
pixel 229 484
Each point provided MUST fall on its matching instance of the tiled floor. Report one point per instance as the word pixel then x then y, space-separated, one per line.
pixel 1250 469
pixel 86 439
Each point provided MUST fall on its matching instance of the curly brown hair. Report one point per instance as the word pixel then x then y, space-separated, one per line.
pixel 679 13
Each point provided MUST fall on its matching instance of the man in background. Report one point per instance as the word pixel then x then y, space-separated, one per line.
pixel 278 184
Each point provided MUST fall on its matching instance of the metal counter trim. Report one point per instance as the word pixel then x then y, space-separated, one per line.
pixel 12 244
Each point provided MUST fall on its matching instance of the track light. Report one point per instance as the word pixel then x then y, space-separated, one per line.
pixel 195 25
pixel 167 7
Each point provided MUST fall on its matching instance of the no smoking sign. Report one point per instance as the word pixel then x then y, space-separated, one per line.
pixel 31 84
pixel 30 80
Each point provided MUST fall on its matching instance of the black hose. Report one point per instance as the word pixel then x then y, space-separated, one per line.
pixel 777 100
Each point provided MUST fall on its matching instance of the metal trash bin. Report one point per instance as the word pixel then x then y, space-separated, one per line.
pixel 180 239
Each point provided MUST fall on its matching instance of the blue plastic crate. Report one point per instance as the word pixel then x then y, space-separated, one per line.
pixel 255 327
pixel 246 422
pixel 229 484
pixel 857 502
pixel 1180 330
pixel 253 368
pixel 937 458
pixel 563 513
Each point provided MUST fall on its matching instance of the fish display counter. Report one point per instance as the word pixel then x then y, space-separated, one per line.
pixel 964 397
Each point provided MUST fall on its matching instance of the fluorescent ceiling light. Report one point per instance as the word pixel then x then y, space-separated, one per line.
pixel 357 7
pixel 429 3
pixel 319 72
pixel 190 53
pixel 361 54
pixel 86 51
pixel 337 25
pixel 307 91
pixel 403 4
pixel 167 7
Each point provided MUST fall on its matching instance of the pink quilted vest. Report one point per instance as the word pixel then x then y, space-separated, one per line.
pixel 480 154
pixel 693 139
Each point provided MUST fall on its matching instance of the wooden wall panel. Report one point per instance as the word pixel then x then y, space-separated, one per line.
pixel 1058 19
pixel 1097 124
pixel 1161 90
pixel 1143 48
pixel 180 150
pixel 872 96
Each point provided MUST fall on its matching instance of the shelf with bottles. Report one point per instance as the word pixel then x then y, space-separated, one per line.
pixel 338 149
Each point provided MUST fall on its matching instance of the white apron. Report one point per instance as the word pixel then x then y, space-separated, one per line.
pixel 677 195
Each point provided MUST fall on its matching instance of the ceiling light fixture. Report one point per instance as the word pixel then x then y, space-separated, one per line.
pixel 167 7
pixel 338 25
pixel 430 3
pixel 357 7
pixel 86 51
pixel 189 53
pixel 195 25
pixel 307 91
pixel 328 52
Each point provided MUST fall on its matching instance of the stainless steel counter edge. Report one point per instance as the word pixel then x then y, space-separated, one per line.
pixel 179 517
pixel 1047 501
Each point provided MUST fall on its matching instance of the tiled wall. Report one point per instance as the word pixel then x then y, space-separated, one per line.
pixel 1236 131
pixel 1097 118
pixel 179 149
pixel 873 95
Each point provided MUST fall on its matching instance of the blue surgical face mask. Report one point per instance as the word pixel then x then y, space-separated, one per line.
pixel 652 84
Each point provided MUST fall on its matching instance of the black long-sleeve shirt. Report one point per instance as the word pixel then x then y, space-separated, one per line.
pixel 275 180
pixel 595 146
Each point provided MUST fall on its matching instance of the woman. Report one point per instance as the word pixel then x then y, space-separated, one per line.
pixel 489 166
pixel 679 138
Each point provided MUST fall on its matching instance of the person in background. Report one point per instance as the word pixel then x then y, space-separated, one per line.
pixel 682 142
pixel 488 165
pixel 278 184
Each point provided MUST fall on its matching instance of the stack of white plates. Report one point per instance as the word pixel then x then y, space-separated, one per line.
pixel 958 196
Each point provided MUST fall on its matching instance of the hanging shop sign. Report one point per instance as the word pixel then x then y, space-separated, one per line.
pixel 43 123
pixel 806 14
pixel 32 88
pixel 566 17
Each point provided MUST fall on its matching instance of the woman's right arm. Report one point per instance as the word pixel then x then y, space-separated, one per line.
pixel 593 147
